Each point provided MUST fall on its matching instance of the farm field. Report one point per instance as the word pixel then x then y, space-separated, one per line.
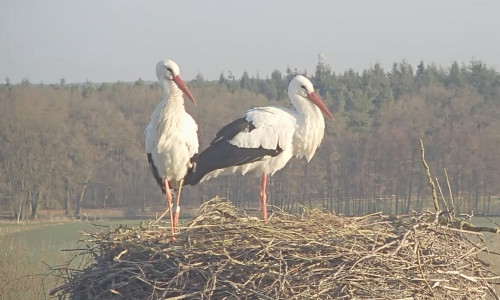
pixel 27 251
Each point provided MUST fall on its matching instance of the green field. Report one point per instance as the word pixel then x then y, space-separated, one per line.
pixel 27 251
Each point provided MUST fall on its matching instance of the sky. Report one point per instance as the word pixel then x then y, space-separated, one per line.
pixel 120 40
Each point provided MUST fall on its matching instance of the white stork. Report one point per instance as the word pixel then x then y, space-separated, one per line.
pixel 171 136
pixel 266 138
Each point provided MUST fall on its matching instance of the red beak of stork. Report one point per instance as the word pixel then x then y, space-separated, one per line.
pixel 317 101
pixel 183 87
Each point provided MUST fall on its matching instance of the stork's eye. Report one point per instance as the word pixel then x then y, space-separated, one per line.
pixel 170 70
pixel 304 87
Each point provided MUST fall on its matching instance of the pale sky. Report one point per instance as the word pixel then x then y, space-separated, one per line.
pixel 119 40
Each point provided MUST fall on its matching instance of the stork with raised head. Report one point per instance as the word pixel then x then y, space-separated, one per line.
pixel 171 137
pixel 266 138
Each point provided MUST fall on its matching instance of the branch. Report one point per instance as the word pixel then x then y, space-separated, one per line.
pixel 461 224
pixel 449 190
pixel 429 177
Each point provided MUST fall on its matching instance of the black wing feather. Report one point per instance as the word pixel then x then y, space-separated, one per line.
pixel 232 129
pixel 156 175
pixel 222 154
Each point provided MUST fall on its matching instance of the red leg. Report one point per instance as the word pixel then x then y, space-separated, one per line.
pixel 168 194
pixel 169 206
pixel 178 205
pixel 263 197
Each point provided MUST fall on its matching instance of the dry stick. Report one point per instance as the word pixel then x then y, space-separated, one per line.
pixel 489 219
pixel 185 296
pixel 161 216
pixel 442 197
pixel 429 177
pixel 297 256
pixel 452 213
pixel 470 227
pixel 419 251
pixel 492 291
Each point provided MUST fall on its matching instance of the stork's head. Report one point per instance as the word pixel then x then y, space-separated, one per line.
pixel 302 87
pixel 169 71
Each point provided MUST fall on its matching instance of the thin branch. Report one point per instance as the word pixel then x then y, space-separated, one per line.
pixel 452 204
pixel 429 177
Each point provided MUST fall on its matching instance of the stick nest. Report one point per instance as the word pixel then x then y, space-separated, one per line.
pixel 223 253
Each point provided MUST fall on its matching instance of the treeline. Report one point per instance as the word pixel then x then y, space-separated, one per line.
pixel 81 146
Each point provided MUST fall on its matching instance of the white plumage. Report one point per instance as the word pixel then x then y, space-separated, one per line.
pixel 171 137
pixel 266 138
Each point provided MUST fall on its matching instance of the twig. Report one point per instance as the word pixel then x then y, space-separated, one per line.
pixel 429 177
pixel 419 251
pixel 452 213
pixel 444 199
pixel 223 253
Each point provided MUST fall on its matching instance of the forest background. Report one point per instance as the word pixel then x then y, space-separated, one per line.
pixel 73 147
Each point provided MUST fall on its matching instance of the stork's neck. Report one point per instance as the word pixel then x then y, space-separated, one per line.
pixel 172 95
pixel 308 113
pixel 310 127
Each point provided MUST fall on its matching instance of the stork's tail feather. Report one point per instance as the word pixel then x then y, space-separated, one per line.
pixel 203 163
pixel 193 176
